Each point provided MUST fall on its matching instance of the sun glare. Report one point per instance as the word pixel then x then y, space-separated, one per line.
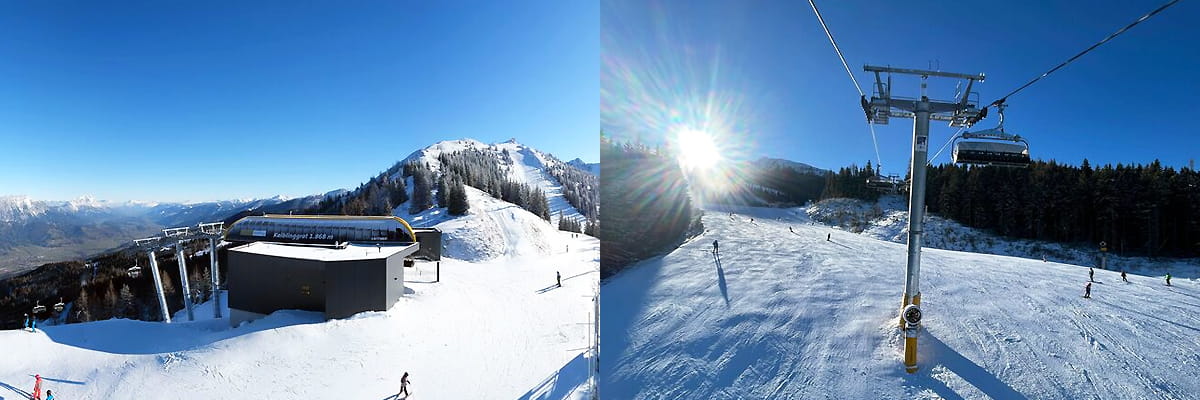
pixel 697 149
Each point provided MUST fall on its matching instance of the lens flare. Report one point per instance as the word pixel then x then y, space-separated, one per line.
pixel 685 101
pixel 696 148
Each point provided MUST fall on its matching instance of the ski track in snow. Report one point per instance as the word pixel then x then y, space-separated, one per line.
pixel 793 316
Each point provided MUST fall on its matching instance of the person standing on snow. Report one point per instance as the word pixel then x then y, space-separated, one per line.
pixel 1123 276
pixel 1087 291
pixel 829 237
pixel 790 230
pixel 1168 279
pixel 1091 274
pixel 403 385
pixel 715 251
pixel 49 396
pixel 26 326
pixel 558 278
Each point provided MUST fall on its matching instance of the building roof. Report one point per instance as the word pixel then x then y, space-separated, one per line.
pixel 318 253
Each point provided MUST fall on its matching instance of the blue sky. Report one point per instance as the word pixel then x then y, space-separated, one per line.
pixel 175 101
pixel 766 70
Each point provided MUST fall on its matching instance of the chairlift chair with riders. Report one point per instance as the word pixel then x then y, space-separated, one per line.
pixel 991 147
pixel 135 271
pixel 883 183
pixel 58 307
pixel 38 308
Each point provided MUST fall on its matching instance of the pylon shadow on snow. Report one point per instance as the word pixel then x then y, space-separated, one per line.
pixel 19 392
pixel 561 383
pixel 548 288
pixel 933 352
pixel 1127 310
pixel 579 275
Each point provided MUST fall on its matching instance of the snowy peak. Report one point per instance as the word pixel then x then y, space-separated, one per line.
pixel 767 162
pixel 591 168
pixel 20 208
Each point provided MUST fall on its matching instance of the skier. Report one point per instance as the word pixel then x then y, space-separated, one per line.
pixel 403 385
pixel 26 326
pixel 829 237
pixel 558 278
pixel 1087 291
pixel 49 396
pixel 1168 279
pixel 715 252
pixel 37 387
pixel 790 230
pixel 33 323
pixel 1123 276
pixel 1091 275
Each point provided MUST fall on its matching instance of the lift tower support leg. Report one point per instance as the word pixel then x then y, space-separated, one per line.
pixel 158 287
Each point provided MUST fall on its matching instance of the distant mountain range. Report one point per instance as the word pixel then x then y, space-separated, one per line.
pixel 35 232
pixel 767 162
pixel 591 168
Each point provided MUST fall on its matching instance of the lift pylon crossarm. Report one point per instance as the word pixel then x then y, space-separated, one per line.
pixel 963 111
pixel 923 72
pixel 212 228
pixel 145 242
pixel 176 232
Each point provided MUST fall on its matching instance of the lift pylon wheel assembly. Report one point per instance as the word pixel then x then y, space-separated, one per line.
pixel 961 112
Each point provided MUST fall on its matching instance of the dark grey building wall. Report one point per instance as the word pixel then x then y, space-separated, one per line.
pixel 264 284
pixel 352 285
pixel 430 240
pixel 395 281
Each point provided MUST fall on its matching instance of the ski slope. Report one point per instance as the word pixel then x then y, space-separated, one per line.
pixel 792 316
pixel 492 228
pixel 488 330
pixel 887 219
pixel 524 164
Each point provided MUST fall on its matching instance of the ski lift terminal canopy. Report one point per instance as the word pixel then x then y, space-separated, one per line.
pixel 320 229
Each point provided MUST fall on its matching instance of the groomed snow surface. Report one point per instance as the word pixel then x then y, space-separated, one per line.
pixel 489 330
pixel 787 315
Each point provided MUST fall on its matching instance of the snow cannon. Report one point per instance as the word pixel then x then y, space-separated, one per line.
pixel 912 320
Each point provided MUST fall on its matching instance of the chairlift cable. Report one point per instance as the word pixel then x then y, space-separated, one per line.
pixel 874 141
pixel 948 141
pixel 1085 51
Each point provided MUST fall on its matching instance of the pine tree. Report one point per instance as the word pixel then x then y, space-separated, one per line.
pixel 442 191
pixel 458 202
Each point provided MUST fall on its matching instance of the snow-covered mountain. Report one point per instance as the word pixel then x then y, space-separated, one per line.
pixel 785 314
pixel 35 232
pixel 803 168
pixel 591 168
pixel 493 227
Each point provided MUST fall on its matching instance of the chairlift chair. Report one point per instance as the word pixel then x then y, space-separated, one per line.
pixel 135 271
pixel 991 147
pixel 38 308
pixel 58 307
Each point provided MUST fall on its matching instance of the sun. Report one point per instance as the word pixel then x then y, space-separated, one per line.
pixel 697 149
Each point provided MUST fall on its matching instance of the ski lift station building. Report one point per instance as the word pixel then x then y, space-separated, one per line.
pixel 340 266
